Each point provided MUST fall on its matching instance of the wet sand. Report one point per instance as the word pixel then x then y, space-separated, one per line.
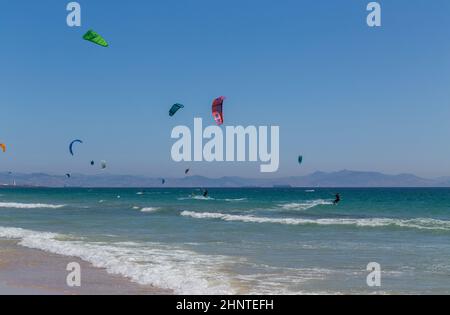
pixel 26 271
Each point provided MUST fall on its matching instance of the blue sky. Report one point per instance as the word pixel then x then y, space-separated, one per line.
pixel 345 96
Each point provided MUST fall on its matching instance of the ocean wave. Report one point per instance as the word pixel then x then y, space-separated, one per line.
pixel 305 205
pixel 418 223
pixel 140 193
pixel 202 198
pixel 150 209
pixel 285 281
pixel 146 209
pixel 18 205
pixel 234 200
pixel 197 198
pixel 172 268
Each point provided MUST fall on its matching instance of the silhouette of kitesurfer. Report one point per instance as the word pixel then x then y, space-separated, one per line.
pixel 205 193
pixel 337 200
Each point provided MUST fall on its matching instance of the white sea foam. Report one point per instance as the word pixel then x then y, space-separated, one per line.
pixel 150 209
pixel 18 205
pixel 419 223
pixel 202 198
pixel 183 271
pixel 305 205
pixel 284 281
pixel 197 198
pixel 210 199
pixel 171 267
pixel 233 200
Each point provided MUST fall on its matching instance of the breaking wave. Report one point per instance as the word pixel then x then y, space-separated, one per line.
pixel 234 200
pixel 150 209
pixel 305 205
pixel 197 198
pixel 18 205
pixel 419 223
pixel 171 268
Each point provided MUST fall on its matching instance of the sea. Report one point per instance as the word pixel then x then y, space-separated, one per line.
pixel 244 240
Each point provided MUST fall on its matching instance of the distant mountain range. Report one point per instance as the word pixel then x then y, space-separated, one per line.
pixel 343 178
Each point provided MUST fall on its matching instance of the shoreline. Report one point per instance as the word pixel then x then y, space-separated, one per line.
pixel 26 271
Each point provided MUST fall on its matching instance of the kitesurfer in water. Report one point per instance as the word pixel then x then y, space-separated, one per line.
pixel 205 193
pixel 337 200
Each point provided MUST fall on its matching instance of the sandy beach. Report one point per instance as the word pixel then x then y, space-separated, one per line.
pixel 26 271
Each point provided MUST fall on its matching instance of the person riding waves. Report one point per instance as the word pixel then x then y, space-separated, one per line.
pixel 337 200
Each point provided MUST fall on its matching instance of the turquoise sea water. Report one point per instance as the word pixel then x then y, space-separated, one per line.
pixel 247 241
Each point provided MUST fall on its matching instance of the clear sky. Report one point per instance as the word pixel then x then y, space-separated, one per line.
pixel 345 96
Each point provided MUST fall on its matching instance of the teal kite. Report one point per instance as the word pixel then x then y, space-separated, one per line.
pixel 71 145
pixel 176 107
pixel 95 38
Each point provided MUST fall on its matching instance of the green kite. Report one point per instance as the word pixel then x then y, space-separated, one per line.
pixel 95 38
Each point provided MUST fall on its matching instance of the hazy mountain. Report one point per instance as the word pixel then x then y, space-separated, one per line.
pixel 347 178
pixel 343 178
